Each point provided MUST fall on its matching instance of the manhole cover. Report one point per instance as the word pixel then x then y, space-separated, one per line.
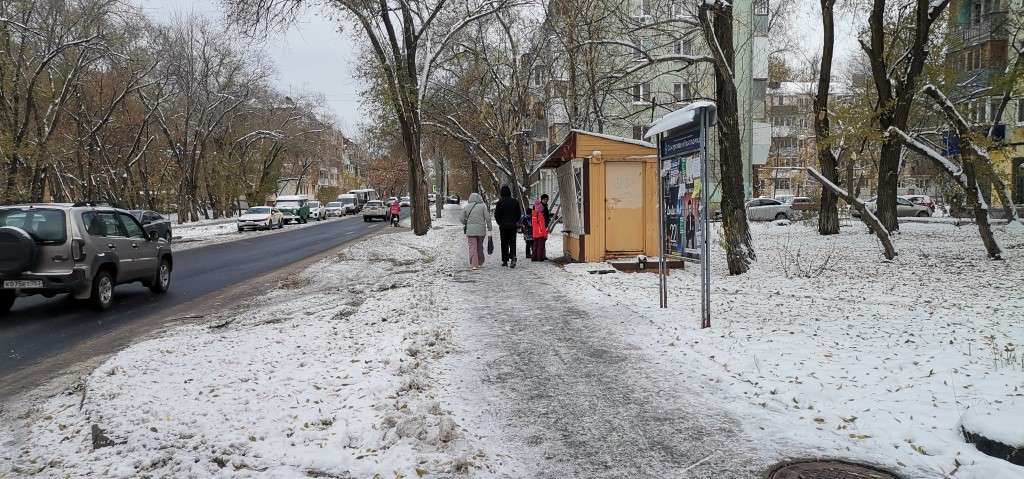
pixel 828 470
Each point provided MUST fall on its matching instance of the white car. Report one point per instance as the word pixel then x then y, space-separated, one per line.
pixel 374 209
pixel 349 204
pixel 405 201
pixel 431 197
pixel 317 211
pixel 335 209
pixel 260 218
pixel 769 209
pixel 904 208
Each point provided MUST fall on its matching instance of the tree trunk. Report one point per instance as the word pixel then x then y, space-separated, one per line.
pixel 439 185
pixel 738 249
pixel 828 213
pixel 888 181
pixel 977 203
pixel 10 189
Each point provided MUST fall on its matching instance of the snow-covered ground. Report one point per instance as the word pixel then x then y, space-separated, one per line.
pixel 326 376
pixel 828 348
pixel 393 360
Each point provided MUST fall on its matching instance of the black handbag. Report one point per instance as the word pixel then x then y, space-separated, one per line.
pixel 490 245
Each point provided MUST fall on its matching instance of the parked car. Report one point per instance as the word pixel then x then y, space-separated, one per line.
pixel 260 218
pixel 81 249
pixel 334 209
pixel 362 196
pixel 153 221
pixel 454 200
pixel 431 197
pixel 769 209
pixel 317 211
pixel 294 208
pixel 904 208
pixel 350 205
pixel 373 210
pixel 921 200
pixel 405 201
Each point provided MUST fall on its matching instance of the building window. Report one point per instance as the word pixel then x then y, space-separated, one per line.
pixel 638 51
pixel 644 8
pixel 677 91
pixel 538 76
pixel 642 93
pixel 760 7
pixel 638 132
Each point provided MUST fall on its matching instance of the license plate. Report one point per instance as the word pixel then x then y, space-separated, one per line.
pixel 23 284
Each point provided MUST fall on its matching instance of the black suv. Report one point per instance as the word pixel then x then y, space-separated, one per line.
pixel 80 249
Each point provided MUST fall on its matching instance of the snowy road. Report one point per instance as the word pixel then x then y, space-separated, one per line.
pixel 43 336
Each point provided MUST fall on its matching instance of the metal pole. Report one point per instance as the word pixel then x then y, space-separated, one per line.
pixel 705 253
pixel 662 284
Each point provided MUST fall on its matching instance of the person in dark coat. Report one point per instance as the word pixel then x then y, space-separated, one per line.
pixel 526 228
pixel 507 214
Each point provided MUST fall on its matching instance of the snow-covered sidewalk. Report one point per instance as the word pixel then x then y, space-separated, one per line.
pixel 561 390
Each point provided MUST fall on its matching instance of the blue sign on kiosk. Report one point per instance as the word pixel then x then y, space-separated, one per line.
pixel 684 194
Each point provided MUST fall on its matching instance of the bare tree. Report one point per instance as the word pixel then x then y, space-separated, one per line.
pixel 828 213
pixel 46 47
pixel 717 23
pixel 406 38
pixel 896 82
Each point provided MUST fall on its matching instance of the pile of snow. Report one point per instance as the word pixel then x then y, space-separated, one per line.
pixel 1003 423
pixel 327 376
pixel 833 351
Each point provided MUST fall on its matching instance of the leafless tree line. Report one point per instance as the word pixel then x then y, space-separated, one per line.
pixel 99 103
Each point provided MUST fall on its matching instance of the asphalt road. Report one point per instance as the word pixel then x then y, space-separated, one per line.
pixel 38 329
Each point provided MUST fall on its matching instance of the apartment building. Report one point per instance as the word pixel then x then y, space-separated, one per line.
pixel 793 142
pixel 632 95
pixel 985 39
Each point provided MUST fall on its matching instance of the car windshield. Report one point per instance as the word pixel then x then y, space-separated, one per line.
pixel 260 210
pixel 287 204
pixel 347 201
pixel 313 204
pixel 374 203
pixel 43 225
pixel 333 204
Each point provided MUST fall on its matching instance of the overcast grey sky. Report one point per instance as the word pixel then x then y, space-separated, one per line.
pixel 314 57
pixel 311 57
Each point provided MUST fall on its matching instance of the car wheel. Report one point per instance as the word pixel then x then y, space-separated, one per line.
pixel 163 277
pixel 923 214
pixel 241 229
pixel 6 301
pixel 781 216
pixel 102 294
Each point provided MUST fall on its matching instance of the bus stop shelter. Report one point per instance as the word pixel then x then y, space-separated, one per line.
pixel 608 191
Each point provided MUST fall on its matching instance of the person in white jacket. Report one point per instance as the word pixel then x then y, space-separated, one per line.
pixel 476 221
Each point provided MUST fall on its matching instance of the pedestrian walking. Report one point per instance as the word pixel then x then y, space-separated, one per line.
pixel 395 213
pixel 541 219
pixel 476 224
pixel 526 228
pixel 507 214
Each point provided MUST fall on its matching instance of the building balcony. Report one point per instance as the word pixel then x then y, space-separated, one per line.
pixel 993 26
pixel 972 80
